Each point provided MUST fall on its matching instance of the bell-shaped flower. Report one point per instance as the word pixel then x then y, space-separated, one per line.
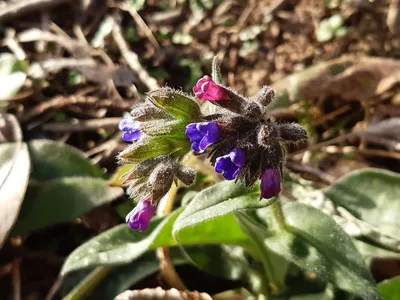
pixel 131 130
pixel 270 183
pixel 230 164
pixel 202 135
pixel 139 218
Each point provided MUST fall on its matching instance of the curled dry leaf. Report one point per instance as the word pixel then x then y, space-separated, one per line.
pixel 384 133
pixel 159 293
pixel 350 77
pixel 14 173
pixel 393 20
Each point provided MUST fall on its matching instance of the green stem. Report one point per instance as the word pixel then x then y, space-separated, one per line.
pixel 85 287
pixel 262 253
pixel 277 217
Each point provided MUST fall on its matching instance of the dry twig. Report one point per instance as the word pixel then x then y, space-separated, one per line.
pixel 60 102
pixel 16 8
pixel 81 126
pixel 132 59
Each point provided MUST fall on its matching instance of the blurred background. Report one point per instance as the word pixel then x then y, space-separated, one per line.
pixel 70 70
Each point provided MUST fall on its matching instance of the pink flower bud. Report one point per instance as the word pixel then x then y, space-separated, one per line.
pixel 207 89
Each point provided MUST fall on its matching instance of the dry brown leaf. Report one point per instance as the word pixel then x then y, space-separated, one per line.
pixel 349 77
pixel 393 20
pixel 159 293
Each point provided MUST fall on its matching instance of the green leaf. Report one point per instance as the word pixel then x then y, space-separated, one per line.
pixel 116 179
pixel 51 160
pixel 61 200
pixel 216 201
pixel 177 104
pixel 372 195
pixel 390 289
pixel 220 260
pixel 101 34
pixel 121 245
pixel 324 32
pixel 314 242
pixel 12 77
pixel 14 176
pixel 136 4
pixel 180 38
pixel 123 277
pixel 275 266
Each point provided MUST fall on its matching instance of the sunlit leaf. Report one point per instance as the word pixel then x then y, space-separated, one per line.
pixel 12 77
pixel 390 289
pixel 372 195
pixel 314 242
pixel 216 201
pixel 177 104
pixel 14 176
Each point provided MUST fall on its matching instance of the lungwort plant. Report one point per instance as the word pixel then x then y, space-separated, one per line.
pixel 270 245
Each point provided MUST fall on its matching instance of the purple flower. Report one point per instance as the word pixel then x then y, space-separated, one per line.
pixel 230 164
pixel 270 183
pixel 131 130
pixel 207 89
pixel 202 135
pixel 139 218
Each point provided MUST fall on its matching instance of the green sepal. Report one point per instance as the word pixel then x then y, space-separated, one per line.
pixel 150 147
pixel 176 103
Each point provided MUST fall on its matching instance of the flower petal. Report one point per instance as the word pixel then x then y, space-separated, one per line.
pixel 139 218
pixel 131 136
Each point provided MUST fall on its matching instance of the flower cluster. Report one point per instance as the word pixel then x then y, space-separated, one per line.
pixel 241 140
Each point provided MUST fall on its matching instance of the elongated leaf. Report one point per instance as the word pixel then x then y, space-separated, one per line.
pixel 275 266
pixel 216 201
pixel 14 176
pixel 314 242
pixel 121 245
pixel 61 200
pixel 390 289
pixel 221 260
pixel 122 278
pixel 177 104
pixel 51 160
pixel 371 195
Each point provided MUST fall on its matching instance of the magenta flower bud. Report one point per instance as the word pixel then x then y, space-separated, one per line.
pixel 139 218
pixel 230 164
pixel 131 130
pixel 202 135
pixel 270 183
pixel 207 89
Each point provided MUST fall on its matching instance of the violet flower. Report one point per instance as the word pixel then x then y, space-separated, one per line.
pixel 202 135
pixel 270 183
pixel 207 89
pixel 139 218
pixel 131 130
pixel 230 164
